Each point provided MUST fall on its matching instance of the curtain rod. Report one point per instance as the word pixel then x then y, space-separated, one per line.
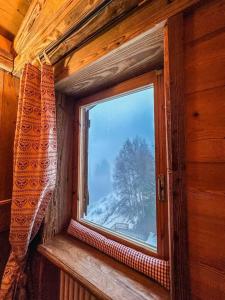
pixel 84 21
pixel 73 29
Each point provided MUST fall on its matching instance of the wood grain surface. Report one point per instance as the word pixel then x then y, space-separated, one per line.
pixel 9 89
pixel 6 56
pixel 5 249
pixel 102 275
pixel 133 58
pixel 5 209
pixel 60 208
pixel 46 22
pixel 12 13
pixel 174 98
pixel 204 63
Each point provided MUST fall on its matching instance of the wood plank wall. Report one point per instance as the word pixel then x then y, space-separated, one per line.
pixel 205 147
pixel 44 278
pixel 60 209
pixel 6 55
pixel 12 14
pixel 46 22
pixel 9 89
pixel 174 103
pixel 4 250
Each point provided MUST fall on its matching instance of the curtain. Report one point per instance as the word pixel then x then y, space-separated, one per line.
pixel 35 164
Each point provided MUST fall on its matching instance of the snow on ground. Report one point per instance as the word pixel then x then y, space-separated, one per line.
pixel 105 212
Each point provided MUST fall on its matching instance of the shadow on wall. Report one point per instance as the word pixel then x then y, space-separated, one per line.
pixel 4 251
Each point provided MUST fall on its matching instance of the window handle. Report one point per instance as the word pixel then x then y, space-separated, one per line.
pixel 161 187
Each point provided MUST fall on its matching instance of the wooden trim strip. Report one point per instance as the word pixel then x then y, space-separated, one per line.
pixel 137 82
pixel 174 93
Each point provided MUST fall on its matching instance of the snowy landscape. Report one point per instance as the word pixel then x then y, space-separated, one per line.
pixel 121 178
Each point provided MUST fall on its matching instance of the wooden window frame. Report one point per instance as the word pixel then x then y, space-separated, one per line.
pixel 155 78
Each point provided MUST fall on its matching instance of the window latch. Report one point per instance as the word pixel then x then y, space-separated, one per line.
pixel 161 187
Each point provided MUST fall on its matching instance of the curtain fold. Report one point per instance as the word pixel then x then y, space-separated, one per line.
pixel 35 166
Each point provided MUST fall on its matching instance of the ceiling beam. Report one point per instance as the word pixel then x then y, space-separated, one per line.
pixel 68 28
pixel 45 23
pixel 12 14
pixel 141 21
pixel 6 56
pixel 133 58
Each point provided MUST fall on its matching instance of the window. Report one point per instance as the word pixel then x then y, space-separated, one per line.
pixel 120 164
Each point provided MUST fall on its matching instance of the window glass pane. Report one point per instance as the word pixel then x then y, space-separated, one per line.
pixel 121 166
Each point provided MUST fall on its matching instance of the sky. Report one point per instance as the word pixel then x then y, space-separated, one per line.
pixel 113 122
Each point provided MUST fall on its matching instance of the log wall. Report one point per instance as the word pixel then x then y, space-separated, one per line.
pixel 9 87
pixel 204 111
pixel 60 209
pixel 204 62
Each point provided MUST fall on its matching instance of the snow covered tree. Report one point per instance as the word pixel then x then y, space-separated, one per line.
pixel 134 183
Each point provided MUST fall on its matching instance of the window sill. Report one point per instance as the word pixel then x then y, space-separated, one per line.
pixel 102 275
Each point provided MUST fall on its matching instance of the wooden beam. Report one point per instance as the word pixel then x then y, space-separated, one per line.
pixel 39 18
pixel 45 24
pixel 6 57
pixel 106 16
pixel 136 57
pixel 174 93
pixel 98 23
pixel 145 18
pixel 12 14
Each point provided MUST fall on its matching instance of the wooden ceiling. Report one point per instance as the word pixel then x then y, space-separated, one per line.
pixel 12 13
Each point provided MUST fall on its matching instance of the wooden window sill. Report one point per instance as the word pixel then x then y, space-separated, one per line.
pixel 103 276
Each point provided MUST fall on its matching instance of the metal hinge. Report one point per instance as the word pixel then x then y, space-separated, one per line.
pixel 161 187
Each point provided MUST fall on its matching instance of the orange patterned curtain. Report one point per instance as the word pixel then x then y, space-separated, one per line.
pixel 35 163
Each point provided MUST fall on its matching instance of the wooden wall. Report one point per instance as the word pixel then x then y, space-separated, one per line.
pixel 12 14
pixel 60 209
pixel 6 54
pixel 204 88
pixel 9 88
pixel 4 250
pixel 46 22
pixel 204 64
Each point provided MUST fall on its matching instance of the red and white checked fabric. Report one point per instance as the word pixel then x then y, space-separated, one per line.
pixel 155 268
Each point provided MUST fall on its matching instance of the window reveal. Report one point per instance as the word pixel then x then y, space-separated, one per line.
pixel 120 167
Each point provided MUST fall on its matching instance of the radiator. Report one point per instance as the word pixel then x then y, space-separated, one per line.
pixel 70 289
